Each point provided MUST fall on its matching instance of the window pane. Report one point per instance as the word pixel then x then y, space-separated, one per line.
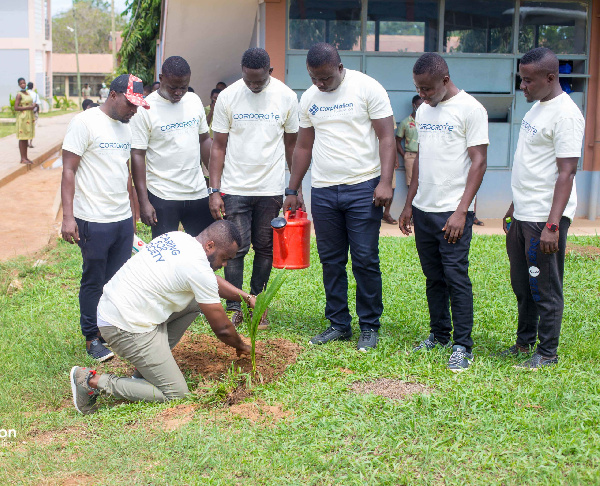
pixel 58 85
pixel 480 26
pixel 333 21
pixel 560 26
pixel 402 25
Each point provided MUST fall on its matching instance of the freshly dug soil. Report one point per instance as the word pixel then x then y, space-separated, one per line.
pixel 388 388
pixel 592 252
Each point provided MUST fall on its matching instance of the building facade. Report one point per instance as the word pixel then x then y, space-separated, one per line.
pixel 25 46
pixel 94 69
pixel 482 41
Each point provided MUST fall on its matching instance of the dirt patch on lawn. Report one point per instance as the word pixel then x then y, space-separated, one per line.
pixel 176 417
pixel 389 388
pixel 259 412
pixel 592 252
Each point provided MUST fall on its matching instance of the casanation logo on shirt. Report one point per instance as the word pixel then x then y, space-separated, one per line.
pixel 530 129
pixel 164 243
pixel 115 145
pixel 256 116
pixel 194 122
pixel 335 109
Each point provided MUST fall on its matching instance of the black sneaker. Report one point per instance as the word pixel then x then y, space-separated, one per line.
pixel 84 397
pixel 330 334
pixel 515 350
pixel 430 343
pixel 98 352
pixel 536 362
pixel 367 340
pixel 460 359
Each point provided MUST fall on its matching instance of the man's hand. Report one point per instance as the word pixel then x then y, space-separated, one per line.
pixel 405 220
pixel 69 230
pixel 549 241
pixel 245 349
pixel 292 203
pixel 216 205
pixel 148 214
pixel 301 204
pixel 383 194
pixel 454 227
pixel 509 214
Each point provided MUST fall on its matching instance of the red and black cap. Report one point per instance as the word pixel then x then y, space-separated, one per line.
pixel 132 87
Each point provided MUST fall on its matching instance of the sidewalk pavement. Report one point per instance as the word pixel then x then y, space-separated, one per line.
pixel 49 134
pixel 579 227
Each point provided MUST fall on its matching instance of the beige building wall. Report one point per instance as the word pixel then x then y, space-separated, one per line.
pixel 211 35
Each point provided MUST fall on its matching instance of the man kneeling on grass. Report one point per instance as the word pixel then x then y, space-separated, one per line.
pixel 148 305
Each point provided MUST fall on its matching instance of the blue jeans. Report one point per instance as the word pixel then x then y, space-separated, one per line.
pixel 252 216
pixel 105 247
pixel 345 217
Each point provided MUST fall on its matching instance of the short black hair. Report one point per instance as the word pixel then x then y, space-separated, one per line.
pixel 223 233
pixel 223 83
pixel 256 58
pixel 155 83
pixel 190 89
pixel 544 57
pixel 93 105
pixel 86 104
pixel 30 85
pixel 322 54
pixel 431 63
pixel 215 91
pixel 415 99
pixel 20 79
pixel 176 66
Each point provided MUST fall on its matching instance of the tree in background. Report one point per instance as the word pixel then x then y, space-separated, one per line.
pixel 138 51
pixel 93 25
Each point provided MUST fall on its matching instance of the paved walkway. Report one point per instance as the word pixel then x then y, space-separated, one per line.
pixel 49 133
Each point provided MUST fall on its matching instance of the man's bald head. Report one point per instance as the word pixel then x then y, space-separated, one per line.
pixel 543 59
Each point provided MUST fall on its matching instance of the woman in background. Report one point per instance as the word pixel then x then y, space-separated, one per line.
pixel 25 128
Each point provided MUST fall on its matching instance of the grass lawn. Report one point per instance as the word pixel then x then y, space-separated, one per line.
pixel 490 425
pixel 48 114
pixel 6 129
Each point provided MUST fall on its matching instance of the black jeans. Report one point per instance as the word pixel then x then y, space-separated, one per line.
pixel 345 217
pixel 194 215
pixel 105 247
pixel 446 269
pixel 537 281
pixel 252 215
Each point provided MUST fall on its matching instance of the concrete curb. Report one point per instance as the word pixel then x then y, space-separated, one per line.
pixel 11 176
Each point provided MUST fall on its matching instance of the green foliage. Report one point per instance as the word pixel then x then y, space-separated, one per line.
pixel 138 51
pixel 11 105
pixel 260 307
pixel 64 103
pixel 93 28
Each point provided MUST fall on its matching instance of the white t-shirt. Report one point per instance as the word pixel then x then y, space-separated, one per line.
pixel 35 96
pixel 550 129
pixel 255 122
pixel 346 149
pixel 445 133
pixel 163 278
pixel 168 132
pixel 104 146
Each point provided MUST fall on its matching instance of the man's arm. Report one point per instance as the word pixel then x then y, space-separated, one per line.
pixel 215 171
pixel 229 291
pixel 455 224
pixel 132 197
pixel 399 146
pixel 69 230
pixel 223 328
pixel 211 112
pixel 567 167
pixel 289 140
pixel 300 164
pixel 384 129
pixel 405 219
pixel 138 171
pixel 205 146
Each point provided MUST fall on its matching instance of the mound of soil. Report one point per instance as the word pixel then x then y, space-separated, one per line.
pixel 259 412
pixel 388 388
pixel 592 252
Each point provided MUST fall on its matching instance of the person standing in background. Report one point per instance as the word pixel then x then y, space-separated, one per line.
pixel 36 107
pixel 24 107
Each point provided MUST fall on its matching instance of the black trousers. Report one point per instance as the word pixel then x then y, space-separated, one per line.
pixel 194 215
pixel 105 247
pixel 446 269
pixel 537 281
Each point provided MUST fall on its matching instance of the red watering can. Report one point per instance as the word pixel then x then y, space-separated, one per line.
pixel 291 240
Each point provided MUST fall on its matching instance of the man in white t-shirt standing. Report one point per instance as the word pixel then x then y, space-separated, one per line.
pixel 255 126
pixel 347 129
pixel 95 191
pixel 544 203
pixel 175 274
pixel 447 173
pixel 168 142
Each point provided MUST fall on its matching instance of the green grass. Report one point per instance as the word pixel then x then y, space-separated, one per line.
pixel 49 114
pixel 6 130
pixel 490 425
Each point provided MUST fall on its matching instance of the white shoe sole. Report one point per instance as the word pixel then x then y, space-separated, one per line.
pixel 104 358
pixel 74 388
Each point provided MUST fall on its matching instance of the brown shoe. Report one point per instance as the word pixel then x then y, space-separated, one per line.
pixel 264 322
pixel 236 317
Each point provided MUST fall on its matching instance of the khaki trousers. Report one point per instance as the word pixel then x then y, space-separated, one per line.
pixel 409 161
pixel 150 353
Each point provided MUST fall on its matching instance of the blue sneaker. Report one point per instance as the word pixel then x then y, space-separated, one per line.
pixel 98 352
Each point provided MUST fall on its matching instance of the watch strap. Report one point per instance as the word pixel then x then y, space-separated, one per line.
pixel 552 227
pixel 290 192
pixel 212 190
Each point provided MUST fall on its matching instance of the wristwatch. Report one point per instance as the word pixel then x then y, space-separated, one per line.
pixel 212 190
pixel 552 227
pixel 290 192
